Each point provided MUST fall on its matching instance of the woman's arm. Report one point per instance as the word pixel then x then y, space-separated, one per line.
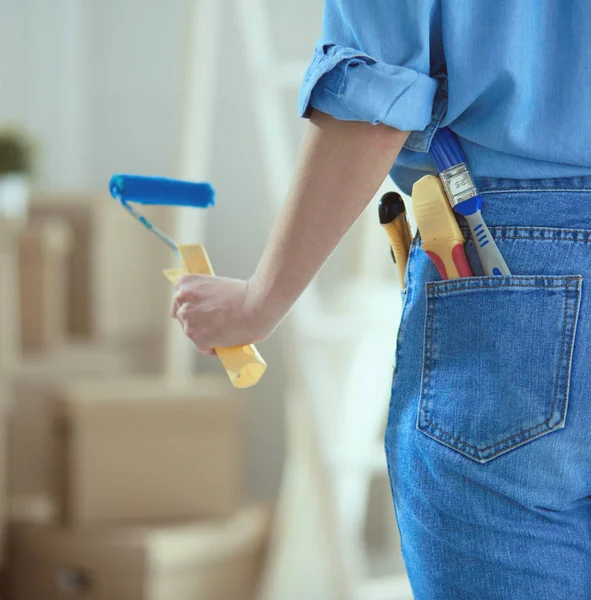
pixel 341 166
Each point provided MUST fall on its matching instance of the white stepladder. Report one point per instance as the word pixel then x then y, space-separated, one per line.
pixel 336 411
pixel 204 35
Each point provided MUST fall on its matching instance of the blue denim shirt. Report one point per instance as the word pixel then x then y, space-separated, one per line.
pixel 511 78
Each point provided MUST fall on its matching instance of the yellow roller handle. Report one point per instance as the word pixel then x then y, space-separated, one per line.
pixel 244 365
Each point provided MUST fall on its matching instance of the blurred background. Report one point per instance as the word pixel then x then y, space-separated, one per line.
pixel 130 467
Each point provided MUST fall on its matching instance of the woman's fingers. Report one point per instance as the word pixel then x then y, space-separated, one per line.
pixel 174 307
pixel 190 330
pixel 215 312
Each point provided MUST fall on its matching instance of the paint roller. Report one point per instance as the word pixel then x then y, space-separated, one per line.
pixel 243 364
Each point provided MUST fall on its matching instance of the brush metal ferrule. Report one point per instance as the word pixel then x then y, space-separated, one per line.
pixel 457 183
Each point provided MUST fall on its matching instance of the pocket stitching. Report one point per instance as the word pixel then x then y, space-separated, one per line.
pixel 430 354
pixel 575 318
pixel 426 387
pixel 405 302
pixel 561 357
pixel 442 288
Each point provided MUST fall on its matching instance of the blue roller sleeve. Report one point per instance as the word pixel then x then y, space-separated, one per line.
pixel 446 150
pixel 160 190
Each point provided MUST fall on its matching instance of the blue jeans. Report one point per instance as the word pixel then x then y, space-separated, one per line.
pixel 489 431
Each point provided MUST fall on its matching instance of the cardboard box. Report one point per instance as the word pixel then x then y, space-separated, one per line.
pixel 40 509
pixel 132 297
pixel 116 289
pixel 148 448
pixel 34 382
pixel 10 344
pixel 76 211
pixel 43 255
pixel 201 561
pixel 5 407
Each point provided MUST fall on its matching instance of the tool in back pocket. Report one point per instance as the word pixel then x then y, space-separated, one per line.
pixel 465 199
pixel 442 238
pixel 393 220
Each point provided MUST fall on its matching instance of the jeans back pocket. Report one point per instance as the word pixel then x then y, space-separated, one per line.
pixel 497 360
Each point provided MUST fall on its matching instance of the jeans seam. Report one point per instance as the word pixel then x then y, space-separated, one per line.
pixel 564 325
pixel 538 234
pixel 433 291
pixel 537 190
pixel 481 450
pixel 517 237
pixel 579 237
pixel 413 248
pixel 499 235
pixel 530 228
pixel 428 363
pixel 403 312
pixel 426 389
pixel 575 315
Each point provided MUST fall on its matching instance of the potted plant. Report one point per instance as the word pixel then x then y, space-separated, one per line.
pixel 15 174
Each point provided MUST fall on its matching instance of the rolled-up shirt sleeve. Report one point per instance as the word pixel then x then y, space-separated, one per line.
pixel 376 62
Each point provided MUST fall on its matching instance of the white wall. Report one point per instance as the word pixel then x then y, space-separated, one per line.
pixel 137 63
pixel 98 85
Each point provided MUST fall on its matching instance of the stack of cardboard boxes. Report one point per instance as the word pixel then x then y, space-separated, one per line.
pixel 147 480
pixel 119 484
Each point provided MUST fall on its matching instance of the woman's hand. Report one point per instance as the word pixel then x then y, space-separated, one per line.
pixel 340 168
pixel 219 312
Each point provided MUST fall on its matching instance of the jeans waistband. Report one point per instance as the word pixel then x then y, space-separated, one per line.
pixel 564 203
pixel 489 185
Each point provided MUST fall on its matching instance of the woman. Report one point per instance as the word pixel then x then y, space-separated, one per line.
pixel 490 422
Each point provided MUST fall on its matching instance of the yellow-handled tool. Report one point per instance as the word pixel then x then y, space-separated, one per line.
pixel 393 219
pixel 244 365
pixel 441 235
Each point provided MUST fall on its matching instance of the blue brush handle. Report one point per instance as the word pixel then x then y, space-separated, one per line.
pixel 453 170
pixel 160 190
pixel 490 256
pixel 446 150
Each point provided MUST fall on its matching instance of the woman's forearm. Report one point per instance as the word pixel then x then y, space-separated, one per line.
pixel 340 168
